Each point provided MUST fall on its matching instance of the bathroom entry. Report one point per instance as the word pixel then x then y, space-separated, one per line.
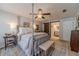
pixel 55 28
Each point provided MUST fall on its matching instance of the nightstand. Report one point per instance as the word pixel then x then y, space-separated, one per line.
pixel 10 40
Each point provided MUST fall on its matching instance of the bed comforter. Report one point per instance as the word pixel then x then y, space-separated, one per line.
pixel 29 44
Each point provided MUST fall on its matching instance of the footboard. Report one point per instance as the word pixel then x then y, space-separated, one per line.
pixel 39 40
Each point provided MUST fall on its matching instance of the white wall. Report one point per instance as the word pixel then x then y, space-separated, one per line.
pixel 5 20
pixel 24 19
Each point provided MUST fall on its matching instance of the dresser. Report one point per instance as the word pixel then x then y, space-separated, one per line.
pixel 74 42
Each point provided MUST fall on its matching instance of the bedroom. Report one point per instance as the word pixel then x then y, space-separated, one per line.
pixel 14 18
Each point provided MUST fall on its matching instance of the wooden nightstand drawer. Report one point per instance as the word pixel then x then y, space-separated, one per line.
pixel 10 40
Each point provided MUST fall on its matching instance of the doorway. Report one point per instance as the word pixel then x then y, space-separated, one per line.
pixel 55 30
pixel 46 27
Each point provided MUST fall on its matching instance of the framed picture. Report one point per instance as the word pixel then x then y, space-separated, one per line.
pixel 26 24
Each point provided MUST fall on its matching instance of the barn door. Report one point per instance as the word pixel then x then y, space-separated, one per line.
pixel 47 27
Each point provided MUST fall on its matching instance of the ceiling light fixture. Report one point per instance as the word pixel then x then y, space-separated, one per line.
pixel 64 10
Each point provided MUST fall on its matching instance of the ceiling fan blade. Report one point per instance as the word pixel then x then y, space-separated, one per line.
pixel 46 14
pixel 43 17
pixel 40 18
pixel 36 17
pixel 33 14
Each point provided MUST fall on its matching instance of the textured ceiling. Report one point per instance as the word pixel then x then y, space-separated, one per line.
pixel 23 9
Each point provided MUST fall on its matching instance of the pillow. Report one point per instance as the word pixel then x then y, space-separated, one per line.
pixel 21 30
pixel 28 30
pixel 24 30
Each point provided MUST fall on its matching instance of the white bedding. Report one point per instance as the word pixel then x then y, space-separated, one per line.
pixel 26 43
pixel 39 33
pixel 25 40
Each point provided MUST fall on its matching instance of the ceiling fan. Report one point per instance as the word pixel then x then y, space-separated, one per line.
pixel 40 14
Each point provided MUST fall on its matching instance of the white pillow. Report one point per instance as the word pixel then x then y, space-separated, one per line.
pixel 23 30
pixel 28 30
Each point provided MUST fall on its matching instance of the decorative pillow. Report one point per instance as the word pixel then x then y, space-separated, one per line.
pixel 25 30
pixel 28 30
pixel 21 30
